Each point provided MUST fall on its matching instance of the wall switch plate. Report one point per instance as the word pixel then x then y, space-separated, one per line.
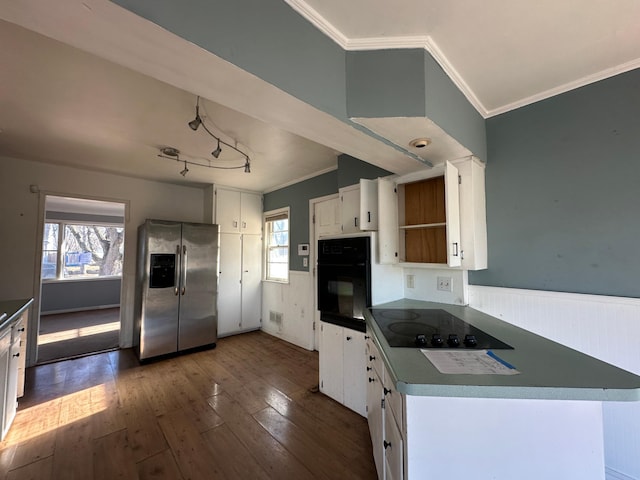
pixel 411 281
pixel 445 284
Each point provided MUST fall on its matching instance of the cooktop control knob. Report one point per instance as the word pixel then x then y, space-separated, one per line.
pixel 470 340
pixel 436 340
pixel 421 340
pixel 453 340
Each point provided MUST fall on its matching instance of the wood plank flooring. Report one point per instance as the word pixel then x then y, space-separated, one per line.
pixel 244 410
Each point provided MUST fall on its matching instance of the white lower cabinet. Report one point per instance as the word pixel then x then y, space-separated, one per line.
pixel 385 414
pixel 342 364
pixel 239 284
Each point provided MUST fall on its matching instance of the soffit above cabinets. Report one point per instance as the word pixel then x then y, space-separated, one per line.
pixel 401 131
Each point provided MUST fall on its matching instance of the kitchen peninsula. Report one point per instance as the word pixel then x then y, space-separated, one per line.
pixel 543 422
pixel 13 326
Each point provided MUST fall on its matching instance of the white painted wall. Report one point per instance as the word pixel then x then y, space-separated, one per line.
pixel 19 211
pixel 295 300
pixel 607 328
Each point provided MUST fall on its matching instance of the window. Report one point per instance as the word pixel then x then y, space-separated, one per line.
pixel 81 251
pixel 276 227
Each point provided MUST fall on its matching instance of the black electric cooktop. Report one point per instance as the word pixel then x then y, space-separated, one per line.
pixel 431 328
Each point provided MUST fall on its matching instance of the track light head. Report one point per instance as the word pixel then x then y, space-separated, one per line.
pixel 216 153
pixel 247 167
pixel 185 170
pixel 195 123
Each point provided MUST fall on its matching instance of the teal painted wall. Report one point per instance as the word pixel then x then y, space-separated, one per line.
pixel 562 187
pixel 296 197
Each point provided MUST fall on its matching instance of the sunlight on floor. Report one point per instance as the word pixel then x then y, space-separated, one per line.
pixel 77 333
pixel 38 420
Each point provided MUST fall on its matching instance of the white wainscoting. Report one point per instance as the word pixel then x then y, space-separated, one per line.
pixel 607 328
pixel 294 300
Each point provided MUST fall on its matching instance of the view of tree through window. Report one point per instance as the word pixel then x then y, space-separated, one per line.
pixel 82 251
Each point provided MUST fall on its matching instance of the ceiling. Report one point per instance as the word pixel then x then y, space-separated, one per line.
pixel 76 94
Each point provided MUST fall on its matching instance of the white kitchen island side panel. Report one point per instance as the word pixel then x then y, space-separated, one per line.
pixel 604 327
pixel 503 439
pixel 295 302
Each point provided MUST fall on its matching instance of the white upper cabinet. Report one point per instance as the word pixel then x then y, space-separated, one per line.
pixel 350 208
pixel 328 220
pixel 359 206
pixel 436 218
pixel 238 212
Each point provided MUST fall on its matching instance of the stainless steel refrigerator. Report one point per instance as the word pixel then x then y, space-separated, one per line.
pixel 177 287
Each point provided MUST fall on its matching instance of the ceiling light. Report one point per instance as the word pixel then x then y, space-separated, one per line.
pixel 420 142
pixel 247 166
pixel 185 170
pixel 216 153
pixel 196 122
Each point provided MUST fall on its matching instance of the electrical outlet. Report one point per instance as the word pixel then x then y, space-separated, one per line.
pixel 305 262
pixel 410 281
pixel 444 284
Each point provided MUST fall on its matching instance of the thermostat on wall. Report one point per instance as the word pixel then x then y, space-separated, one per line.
pixel 303 249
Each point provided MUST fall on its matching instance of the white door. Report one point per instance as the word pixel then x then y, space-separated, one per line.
pixel 330 361
pixel 229 284
pixel 350 209
pixel 452 202
pixel 251 281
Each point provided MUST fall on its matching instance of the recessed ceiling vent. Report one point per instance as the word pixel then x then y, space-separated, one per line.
pixel 420 142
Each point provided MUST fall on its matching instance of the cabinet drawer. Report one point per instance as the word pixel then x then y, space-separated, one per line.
pixel 374 359
pixel 393 449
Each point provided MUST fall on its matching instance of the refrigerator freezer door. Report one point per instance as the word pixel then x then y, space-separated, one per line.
pixel 198 319
pixel 158 322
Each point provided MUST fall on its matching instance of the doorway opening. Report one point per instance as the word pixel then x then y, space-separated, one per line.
pixel 81 276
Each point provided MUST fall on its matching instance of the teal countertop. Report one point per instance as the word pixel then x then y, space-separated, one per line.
pixel 10 310
pixel 548 370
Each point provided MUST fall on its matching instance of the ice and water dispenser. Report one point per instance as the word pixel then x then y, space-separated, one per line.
pixel 162 271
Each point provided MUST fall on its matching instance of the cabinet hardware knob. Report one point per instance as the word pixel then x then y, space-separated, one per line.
pixel 369 369
pixel 386 444
pixel 371 358
pixel 17 354
pixel 21 330
pixel 367 337
pixel 386 391
pixel 349 338
pixel 371 379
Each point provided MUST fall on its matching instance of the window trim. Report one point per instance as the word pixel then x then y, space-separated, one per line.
pixel 269 216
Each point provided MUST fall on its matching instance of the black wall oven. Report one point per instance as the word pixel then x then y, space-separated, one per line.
pixel 344 280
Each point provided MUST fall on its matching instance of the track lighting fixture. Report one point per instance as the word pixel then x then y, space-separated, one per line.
pixel 172 153
pixel 216 153
pixel 196 122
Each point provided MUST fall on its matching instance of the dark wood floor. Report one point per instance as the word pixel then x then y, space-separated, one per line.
pixel 67 335
pixel 244 410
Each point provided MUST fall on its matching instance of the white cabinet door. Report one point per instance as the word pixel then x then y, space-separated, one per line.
pixel 250 213
pixel 354 355
pixel 238 212
pixel 251 281
pixel 387 222
pixel 350 208
pixel 228 210
pixel 368 204
pixel 452 202
pixel 331 361
pixel 393 448
pixel 327 217
pixel 374 418
pixel 229 284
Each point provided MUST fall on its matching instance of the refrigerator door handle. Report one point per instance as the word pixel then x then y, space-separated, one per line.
pixel 176 271
pixel 184 269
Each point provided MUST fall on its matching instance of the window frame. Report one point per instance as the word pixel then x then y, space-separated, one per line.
pixel 62 224
pixel 267 218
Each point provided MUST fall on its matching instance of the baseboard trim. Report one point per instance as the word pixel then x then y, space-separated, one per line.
pixel 611 474
pixel 80 309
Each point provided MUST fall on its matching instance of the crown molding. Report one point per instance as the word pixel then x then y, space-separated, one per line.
pixel 426 42
pixel 388 43
pixel 581 82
